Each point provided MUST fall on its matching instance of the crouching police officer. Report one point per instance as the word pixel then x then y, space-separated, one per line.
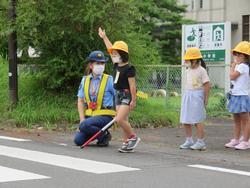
pixel 95 101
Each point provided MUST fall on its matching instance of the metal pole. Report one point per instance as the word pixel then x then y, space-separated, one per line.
pixel 12 53
pixel 167 84
pixel 228 37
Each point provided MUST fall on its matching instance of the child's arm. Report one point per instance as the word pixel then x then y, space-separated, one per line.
pixel 233 74
pixel 106 40
pixel 207 88
pixel 132 87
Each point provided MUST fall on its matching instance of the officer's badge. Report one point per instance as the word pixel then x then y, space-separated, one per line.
pixel 99 55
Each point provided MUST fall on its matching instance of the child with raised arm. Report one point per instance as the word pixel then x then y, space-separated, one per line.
pixel 125 86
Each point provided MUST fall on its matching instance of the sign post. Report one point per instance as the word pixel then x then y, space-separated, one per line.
pixel 228 56
pixel 214 41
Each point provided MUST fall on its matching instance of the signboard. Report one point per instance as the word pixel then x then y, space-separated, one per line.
pixel 209 38
pixel 214 41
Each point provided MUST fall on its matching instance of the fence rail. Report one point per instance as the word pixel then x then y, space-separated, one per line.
pixel 163 83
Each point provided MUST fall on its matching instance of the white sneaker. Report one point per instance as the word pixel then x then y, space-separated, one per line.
pixel 242 146
pixel 233 142
pixel 199 146
pixel 186 145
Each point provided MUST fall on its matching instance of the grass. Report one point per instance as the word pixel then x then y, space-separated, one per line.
pixel 154 113
pixel 38 107
pixel 216 105
pixel 3 88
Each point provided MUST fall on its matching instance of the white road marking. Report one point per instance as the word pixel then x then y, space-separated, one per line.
pixel 14 139
pixel 64 161
pixel 9 174
pixel 61 144
pixel 221 169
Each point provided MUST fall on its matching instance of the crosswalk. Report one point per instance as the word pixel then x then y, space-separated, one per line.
pixel 14 139
pixel 22 161
pixel 10 174
pixel 79 164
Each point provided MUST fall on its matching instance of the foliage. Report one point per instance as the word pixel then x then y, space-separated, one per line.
pixel 40 107
pixel 163 18
pixel 3 86
pixel 65 32
pixel 37 106
pixel 216 105
pixel 154 113
pixel 3 26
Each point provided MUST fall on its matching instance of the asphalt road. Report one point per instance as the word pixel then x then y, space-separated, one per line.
pixel 51 160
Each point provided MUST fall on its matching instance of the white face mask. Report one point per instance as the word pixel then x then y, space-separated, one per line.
pixel 116 59
pixel 98 69
pixel 188 64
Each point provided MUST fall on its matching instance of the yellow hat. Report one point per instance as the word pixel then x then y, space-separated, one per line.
pixel 119 45
pixel 193 53
pixel 243 47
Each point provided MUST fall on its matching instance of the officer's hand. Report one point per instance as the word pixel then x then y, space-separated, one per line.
pixel 101 33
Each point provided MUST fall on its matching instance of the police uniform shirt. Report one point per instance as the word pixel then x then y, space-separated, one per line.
pixel 95 83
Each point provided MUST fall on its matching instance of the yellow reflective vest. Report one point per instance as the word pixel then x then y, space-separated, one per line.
pixel 98 111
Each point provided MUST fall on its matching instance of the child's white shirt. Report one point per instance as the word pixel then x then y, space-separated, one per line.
pixel 195 78
pixel 249 86
pixel 241 83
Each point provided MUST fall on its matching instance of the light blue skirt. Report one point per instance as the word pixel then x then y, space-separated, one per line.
pixel 238 104
pixel 192 107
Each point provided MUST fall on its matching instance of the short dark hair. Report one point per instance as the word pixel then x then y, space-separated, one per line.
pixel 124 56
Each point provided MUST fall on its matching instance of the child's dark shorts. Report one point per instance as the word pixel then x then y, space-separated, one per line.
pixel 122 97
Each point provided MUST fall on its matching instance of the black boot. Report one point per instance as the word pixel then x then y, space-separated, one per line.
pixel 105 141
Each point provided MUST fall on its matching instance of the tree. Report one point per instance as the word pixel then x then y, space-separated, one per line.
pixel 163 18
pixel 3 24
pixel 65 31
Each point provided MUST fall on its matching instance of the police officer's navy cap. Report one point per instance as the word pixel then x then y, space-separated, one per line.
pixel 97 56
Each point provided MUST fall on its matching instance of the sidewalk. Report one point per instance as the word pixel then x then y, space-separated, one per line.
pixel 163 141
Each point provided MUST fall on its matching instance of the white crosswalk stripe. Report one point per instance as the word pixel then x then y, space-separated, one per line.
pixel 14 139
pixel 9 174
pixel 225 170
pixel 64 161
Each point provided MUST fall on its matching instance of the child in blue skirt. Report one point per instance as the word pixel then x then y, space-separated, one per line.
pixel 239 101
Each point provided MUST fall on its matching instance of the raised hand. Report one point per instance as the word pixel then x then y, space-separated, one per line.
pixel 101 33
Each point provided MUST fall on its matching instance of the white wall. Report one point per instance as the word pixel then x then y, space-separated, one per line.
pixel 234 13
pixel 219 11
